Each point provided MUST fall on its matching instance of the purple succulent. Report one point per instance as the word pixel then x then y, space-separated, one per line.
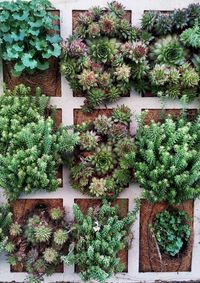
pixel 77 48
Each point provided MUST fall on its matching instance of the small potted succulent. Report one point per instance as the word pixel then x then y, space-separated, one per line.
pixel 99 235
pixel 171 231
pixel 103 160
pixel 167 163
pixel 5 221
pixel 102 56
pixel 37 241
pixel 29 37
pixel 173 40
pixel 30 146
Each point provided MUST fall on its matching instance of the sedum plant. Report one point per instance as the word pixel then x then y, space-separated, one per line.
pixel 103 55
pixel 171 231
pixel 167 160
pixel 37 241
pixel 30 145
pixel 99 236
pixel 5 221
pixel 28 35
pixel 103 160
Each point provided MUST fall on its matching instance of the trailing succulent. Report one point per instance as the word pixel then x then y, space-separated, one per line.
pixel 171 231
pixel 104 156
pixel 30 145
pixel 5 221
pixel 173 57
pixel 103 56
pixel 37 241
pixel 28 35
pixel 168 159
pixel 99 235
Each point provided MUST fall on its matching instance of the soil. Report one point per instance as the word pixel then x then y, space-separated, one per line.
pixel 158 114
pixel 23 206
pixel 84 204
pixel 149 260
pixel 49 81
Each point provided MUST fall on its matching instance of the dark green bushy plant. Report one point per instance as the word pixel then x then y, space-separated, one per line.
pixel 28 35
pixel 37 241
pixel 168 160
pixel 171 231
pixel 5 221
pixel 98 237
pixel 30 145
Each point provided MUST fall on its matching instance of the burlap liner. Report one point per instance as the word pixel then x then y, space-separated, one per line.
pixel 150 259
pixel 80 116
pixel 23 206
pixel 157 114
pixel 85 204
pixel 49 81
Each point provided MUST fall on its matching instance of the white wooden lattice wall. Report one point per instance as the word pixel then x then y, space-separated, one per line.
pixel 67 102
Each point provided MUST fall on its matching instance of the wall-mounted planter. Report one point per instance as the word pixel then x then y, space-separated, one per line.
pixel 149 258
pixel 22 207
pixel 123 204
pixel 158 114
pixel 49 80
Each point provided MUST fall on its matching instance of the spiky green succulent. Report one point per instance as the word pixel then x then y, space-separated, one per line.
pixel 108 24
pixel 50 255
pixel 122 114
pixel 97 187
pixel 56 213
pixel 163 24
pixel 123 73
pixel 102 50
pixel 42 233
pixel 88 140
pixel 179 19
pixel 15 229
pixel 96 96
pixel 60 236
pixel 168 50
pixel 148 20
pixel 191 37
pixel 124 146
pixel 190 78
pixel 103 159
pixel 87 79
pixel 102 124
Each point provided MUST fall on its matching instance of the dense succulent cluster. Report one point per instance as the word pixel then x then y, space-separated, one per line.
pixel 168 159
pixel 5 221
pixel 173 58
pixel 103 56
pixel 171 231
pixel 104 158
pixel 30 145
pixel 28 35
pixel 99 235
pixel 37 241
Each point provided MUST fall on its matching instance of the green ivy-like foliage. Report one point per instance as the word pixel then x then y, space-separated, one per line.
pixel 103 160
pixel 171 231
pixel 30 145
pixel 168 160
pixel 103 55
pixel 173 39
pixel 28 35
pixel 5 221
pixel 33 242
pixel 98 237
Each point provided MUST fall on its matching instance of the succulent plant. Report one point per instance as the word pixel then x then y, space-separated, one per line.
pixel 103 160
pixel 193 12
pixel 98 187
pixel 122 114
pixel 180 19
pixel 60 237
pixel 148 20
pixel 50 255
pixel 102 50
pixel 94 30
pixel 163 24
pixel 117 8
pixel 15 229
pixel 56 213
pixel 89 140
pixel 102 124
pixel 41 242
pixel 118 131
pixel 190 78
pixel 168 50
pixel 76 47
pixel 123 73
pixel 87 79
pixel 191 37
pixel 108 24
pixel 124 146
pixel 196 62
